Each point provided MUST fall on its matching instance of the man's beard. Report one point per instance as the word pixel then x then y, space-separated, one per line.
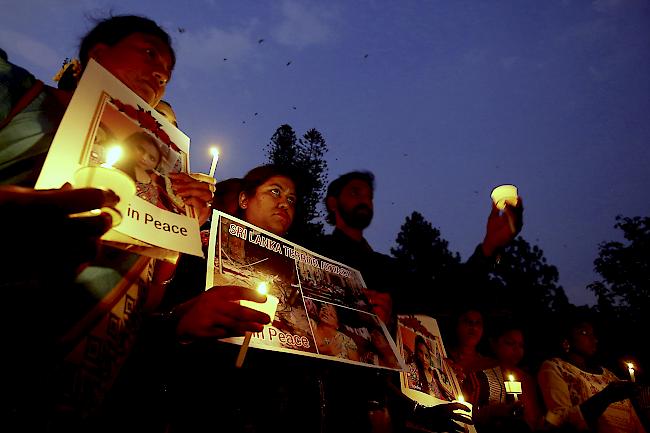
pixel 356 219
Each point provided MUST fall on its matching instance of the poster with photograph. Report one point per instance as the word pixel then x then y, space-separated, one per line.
pixel 104 114
pixel 322 311
pixel 428 378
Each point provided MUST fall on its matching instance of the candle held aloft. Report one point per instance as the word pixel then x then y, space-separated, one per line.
pixel 107 177
pixel 504 194
pixel 215 160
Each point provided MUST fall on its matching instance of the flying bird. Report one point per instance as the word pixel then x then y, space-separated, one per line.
pixel 243 121
pixel 260 41
pixel 181 30
pixel 225 58
pixel 255 114
pixel 366 56
pixel 294 107
pixel 289 62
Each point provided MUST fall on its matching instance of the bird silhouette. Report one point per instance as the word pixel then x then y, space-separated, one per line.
pixel 260 41
pixel 294 107
pixel 181 30
pixel 243 121
pixel 289 62
pixel 255 114
pixel 366 56
pixel 225 58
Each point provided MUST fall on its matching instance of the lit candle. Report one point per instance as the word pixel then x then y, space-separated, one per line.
pixel 503 194
pixel 465 413
pixel 106 177
pixel 630 369
pixel 269 307
pixel 513 387
pixel 215 159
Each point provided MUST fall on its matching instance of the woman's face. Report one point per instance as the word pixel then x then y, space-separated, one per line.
pixel 583 340
pixel 423 355
pixel 148 155
pixel 509 348
pixel 470 328
pixel 328 315
pixel 273 206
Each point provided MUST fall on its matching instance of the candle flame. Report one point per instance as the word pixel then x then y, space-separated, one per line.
pixel 461 398
pixel 262 288
pixel 511 378
pixel 215 152
pixel 113 155
pixel 630 366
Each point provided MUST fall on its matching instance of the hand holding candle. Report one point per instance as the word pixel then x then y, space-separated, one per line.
pixel 513 387
pixel 106 177
pixel 269 307
pixel 464 413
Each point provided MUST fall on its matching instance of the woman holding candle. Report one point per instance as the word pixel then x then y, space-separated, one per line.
pixel 75 306
pixel 500 407
pixel 579 392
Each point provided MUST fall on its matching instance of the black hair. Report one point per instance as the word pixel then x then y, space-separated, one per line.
pixel 223 191
pixel 113 29
pixel 336 186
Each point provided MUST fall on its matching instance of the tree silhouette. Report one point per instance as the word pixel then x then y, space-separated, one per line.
pixel 307 157
pixel 625 270
pixel 527 282
pixel 425 259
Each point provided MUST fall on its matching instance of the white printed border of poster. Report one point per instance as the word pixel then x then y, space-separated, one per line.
pixel 420 334
pixel 322 311
pixel 104 111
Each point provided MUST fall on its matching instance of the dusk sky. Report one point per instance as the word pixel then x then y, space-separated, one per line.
pixel 442 100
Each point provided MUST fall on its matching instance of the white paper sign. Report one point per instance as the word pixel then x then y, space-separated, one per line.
pixel 104 113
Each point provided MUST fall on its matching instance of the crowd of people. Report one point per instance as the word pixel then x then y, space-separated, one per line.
pixel 100 339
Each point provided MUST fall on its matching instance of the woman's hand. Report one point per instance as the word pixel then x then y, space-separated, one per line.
pixel 216 313
pixel 40 233
pixel 194 193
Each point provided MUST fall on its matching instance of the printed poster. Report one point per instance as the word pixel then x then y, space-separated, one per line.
pixel 322 309
pixel 104 113
pixel 428 378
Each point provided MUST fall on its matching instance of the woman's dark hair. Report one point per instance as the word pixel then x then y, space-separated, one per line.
pixel 261 174
pixel 113 29
pixel 226 194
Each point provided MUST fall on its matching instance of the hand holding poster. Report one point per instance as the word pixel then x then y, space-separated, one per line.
pixel 322 311
pixel 428 379
pixel 105 114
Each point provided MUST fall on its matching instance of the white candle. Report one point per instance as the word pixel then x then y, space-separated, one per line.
pixel 215 159
pixel 503 194
pixel 513 387
pixel 105 177
pixel 269 307
pixel 465 413
pixel 630 369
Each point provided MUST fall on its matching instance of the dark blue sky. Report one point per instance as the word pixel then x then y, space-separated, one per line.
pixel 453 98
